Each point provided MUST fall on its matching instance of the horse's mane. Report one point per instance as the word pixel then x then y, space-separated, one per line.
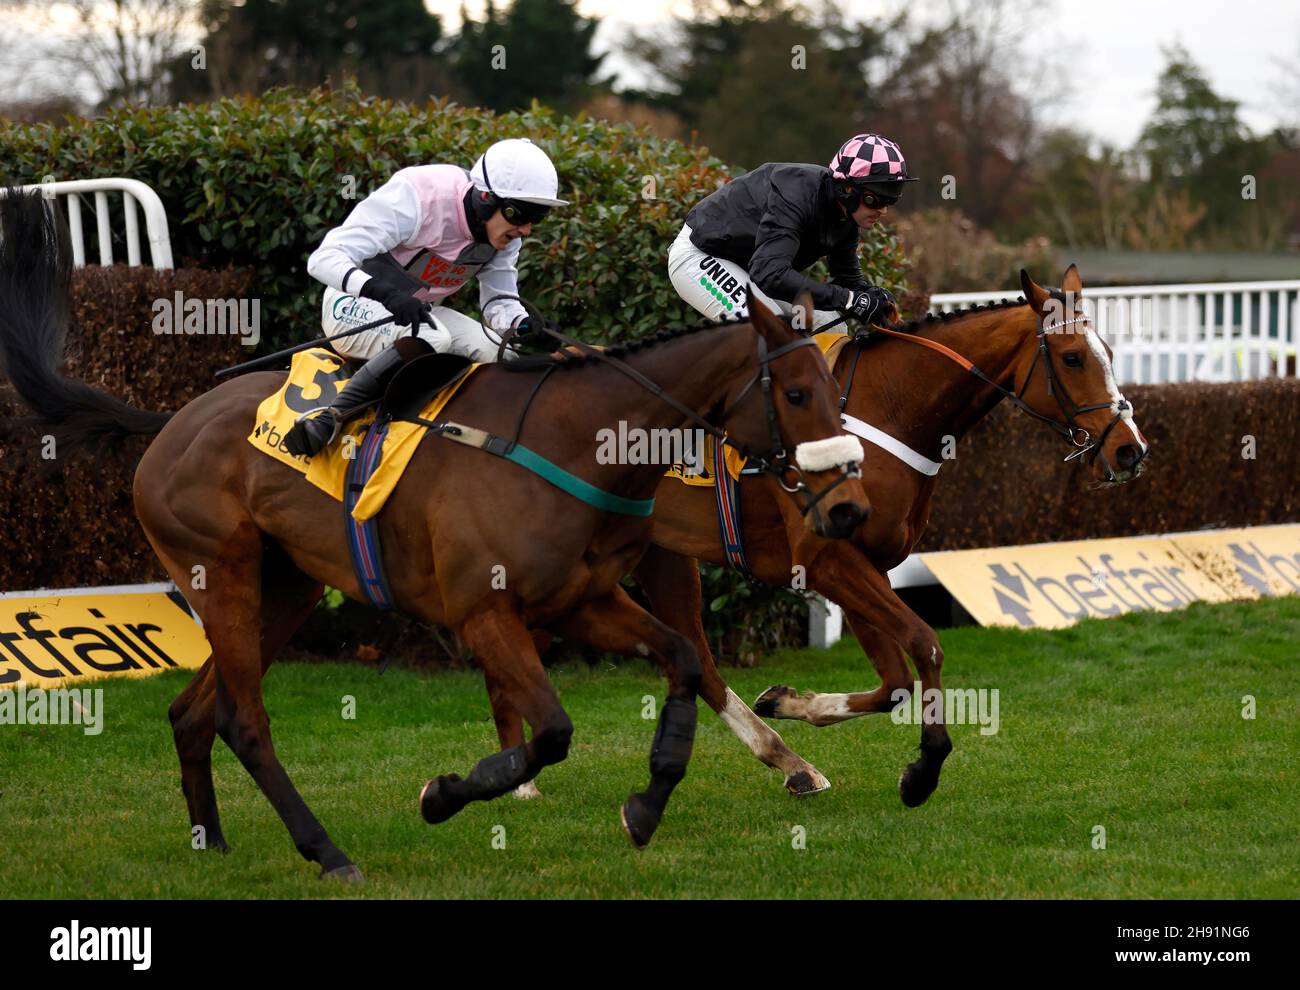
pixel 571 359
pixel 930 319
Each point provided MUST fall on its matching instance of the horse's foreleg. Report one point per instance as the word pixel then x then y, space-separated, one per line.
pixel 672 583
pixel 822 709
pixel 888 631
pixel 518 688
pixel 921 777
pixel 614 622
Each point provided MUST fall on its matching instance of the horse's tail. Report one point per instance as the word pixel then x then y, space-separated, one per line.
pixel 35 273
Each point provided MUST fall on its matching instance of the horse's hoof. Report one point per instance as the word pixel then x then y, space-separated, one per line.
pixel 766 704
pixel 639 820
pixel 212 843
pixel 435 804
pixel 527 791
pixel 803 782
pixel 348 873
pixel 915 788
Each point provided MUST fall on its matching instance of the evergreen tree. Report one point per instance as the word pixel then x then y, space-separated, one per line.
pixel 537 49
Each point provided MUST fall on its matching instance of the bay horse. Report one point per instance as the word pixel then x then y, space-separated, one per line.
pixel 916 384
pixel 474 543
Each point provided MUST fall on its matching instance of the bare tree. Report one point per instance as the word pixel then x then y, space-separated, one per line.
pixel 1287 95
pixel 115 48
pixel 967 95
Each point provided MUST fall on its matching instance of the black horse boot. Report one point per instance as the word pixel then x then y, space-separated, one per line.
pixel 311 436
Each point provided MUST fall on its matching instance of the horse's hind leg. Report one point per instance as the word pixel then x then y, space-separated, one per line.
pixel 510 725
pixel 193 720
pixel 672 583
pixel 288 596
pixel 514 672
pixel 510 730
pixel 615 622
pixel 232 605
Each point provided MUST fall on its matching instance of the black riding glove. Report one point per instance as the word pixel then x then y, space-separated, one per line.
pixel 396 296
pixel 871 305
pixel 528 325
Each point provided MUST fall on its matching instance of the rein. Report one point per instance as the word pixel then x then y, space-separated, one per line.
pixel 776 461
pixel 1078 436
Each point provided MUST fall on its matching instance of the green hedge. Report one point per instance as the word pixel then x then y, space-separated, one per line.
pixel 255 182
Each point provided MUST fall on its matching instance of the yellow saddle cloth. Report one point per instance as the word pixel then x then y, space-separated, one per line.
pixel 830 344
pixel 315 379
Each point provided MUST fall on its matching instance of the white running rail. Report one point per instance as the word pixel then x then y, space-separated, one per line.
pixel 1205 332
pixel 135 196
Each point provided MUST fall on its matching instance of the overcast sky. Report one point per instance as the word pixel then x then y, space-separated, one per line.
pixel 1112 48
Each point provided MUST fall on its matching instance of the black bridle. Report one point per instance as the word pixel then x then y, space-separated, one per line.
pixel 1083 442
pixel 774 461
pixel 777 460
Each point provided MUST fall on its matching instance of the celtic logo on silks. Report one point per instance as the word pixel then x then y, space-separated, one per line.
pixel 716 293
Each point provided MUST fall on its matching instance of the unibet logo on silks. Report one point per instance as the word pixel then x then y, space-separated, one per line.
pixel 721 284
pixel 51 640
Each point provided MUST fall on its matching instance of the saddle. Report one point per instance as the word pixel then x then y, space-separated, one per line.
pixel 413 386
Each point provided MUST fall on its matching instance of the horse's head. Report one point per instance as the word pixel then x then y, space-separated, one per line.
pixel 786 413
pixel 1066 376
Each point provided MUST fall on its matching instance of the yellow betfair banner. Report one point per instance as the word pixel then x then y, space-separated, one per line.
pixel 52 640
pixel 1247 563
pixel 1052 585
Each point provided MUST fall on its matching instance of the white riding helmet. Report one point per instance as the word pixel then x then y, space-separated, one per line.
pixel 518 169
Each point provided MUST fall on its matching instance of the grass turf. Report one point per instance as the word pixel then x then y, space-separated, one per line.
pixel 1132 724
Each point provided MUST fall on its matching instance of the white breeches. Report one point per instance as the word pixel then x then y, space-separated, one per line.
pixel 716 287
pixel 453 332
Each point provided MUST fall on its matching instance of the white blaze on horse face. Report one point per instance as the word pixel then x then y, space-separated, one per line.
pixel 1112 387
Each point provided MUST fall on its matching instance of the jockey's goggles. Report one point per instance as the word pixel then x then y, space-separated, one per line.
pixel 520 213
pixel 877 199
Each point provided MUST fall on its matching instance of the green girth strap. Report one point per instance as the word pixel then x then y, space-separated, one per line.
pixel 540 466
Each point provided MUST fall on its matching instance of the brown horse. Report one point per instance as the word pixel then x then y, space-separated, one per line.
pixel 474 543
pixel 1042 355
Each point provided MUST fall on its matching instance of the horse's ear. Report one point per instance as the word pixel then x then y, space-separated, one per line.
pixel 1034 293
pixel 1072 282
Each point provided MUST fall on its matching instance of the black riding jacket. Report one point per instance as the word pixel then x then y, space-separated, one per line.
pixel 774 222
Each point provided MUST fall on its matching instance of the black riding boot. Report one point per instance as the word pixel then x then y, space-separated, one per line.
pixel 311 436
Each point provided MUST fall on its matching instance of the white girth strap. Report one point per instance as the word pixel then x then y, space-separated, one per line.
pixel 885 442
